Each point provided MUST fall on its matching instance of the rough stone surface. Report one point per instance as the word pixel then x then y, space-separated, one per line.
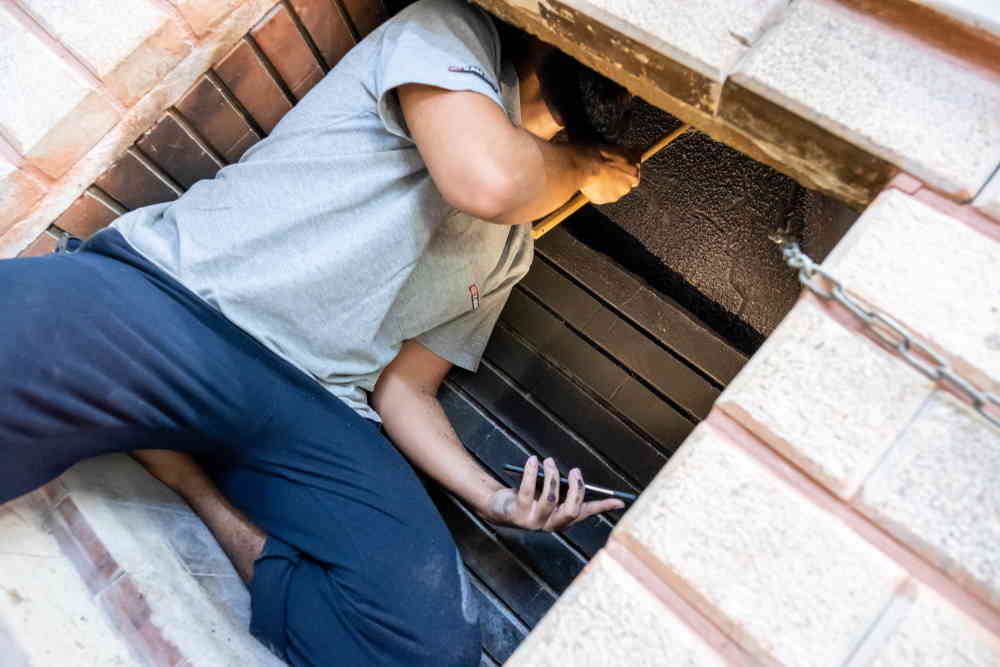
pixel 697 229
pixel 606 618
pixel 929 271
pixel 62 117
pixel 18 193
pixel 908 104
pixel 988 199
pixel 167 553
pixel 201 15
pixel 830 400
pixel 790 583
pixel 934 633
pixel 130 49
pixel 708 37
pixel 936 491
pixel 47 615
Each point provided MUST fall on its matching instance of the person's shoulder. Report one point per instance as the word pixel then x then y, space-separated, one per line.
pixel 448 12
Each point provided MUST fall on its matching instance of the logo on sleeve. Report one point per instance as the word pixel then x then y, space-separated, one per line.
pixel 474 295
pixel 478 71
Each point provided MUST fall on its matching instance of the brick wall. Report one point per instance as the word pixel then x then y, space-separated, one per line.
pixel 111 101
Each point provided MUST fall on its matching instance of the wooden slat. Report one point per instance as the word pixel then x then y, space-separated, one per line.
pixel 589 367
pixel 538 430
pixel 520 589
pixel 493 447
pixel 654 313
pixel 621 340
pixel 502 630
pixel 587 416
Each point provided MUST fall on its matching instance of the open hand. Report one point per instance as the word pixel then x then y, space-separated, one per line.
pixel 519 507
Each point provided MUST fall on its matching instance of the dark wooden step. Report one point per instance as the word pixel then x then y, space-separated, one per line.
pixel 502 630
pixel 494 446
pixel 648 360
pixel 590 368
pixel 657 315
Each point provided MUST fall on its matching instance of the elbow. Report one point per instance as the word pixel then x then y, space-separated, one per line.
pixel 488 195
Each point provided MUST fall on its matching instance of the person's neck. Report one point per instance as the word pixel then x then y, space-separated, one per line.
pixel 536 117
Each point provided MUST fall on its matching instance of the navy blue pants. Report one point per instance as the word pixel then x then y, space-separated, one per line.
pixel 100 352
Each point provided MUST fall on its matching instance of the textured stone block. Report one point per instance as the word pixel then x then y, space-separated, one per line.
pixel 18 193
pixel 47 614
pixel 988 200
pixel 932 633
pixel 135 182
pixel 63 116
pixel 130 49
pixel 608 618
pixel 707 37
pixel 365 14
pixel 217 120
pixel 91 212
pixel 201 15
pixel 43 245
pixel 157 542
pixel 936 491
pixel 281 42
pixel 830 400
pixel 244 73
pixel 327 28
pixel 882 91
pixel 785 579
pixel 928 270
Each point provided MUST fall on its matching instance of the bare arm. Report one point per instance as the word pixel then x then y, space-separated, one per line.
pixel 405 398
pixel 484 165
pixel 239 537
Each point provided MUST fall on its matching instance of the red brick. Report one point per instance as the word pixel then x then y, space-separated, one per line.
pixel 246 76
pixel 365 14
pixel 96 566
pixel 43 245
pixel 135 182
pixel 128 610
pixel 178 152
pixel 280 40
pixel 326 26
pixel 217 120
pixel 89 213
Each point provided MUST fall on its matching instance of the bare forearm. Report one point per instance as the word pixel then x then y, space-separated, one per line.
pixel 239 537
pixel 420 429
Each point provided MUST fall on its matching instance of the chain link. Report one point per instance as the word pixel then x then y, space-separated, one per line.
pixel 887 330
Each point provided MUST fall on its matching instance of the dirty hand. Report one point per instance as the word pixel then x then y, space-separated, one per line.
pixel 610 173
pixel 520 508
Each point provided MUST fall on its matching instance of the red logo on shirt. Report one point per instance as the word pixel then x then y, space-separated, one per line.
pixel 474 295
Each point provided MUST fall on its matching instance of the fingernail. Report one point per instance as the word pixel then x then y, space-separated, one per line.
pixel 532 459
pixel 550 461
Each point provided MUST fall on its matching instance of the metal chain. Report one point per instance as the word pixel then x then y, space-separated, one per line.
pixel 885 329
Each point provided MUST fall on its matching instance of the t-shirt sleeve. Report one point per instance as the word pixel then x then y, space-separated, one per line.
pixel 450 44
pixel 463 339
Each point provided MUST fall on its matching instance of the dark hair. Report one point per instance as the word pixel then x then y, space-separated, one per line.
pixel 591 106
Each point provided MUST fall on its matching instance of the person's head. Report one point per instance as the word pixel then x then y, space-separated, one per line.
pixel 558 92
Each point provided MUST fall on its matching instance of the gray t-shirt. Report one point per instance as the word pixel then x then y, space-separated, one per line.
pixel 328 241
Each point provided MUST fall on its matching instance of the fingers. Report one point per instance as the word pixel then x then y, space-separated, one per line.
pixel 570 509
pixel 549 498
pixel 593 507
pixel 526 492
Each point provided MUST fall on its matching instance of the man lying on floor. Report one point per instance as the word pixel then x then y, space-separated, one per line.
pixel 265 323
